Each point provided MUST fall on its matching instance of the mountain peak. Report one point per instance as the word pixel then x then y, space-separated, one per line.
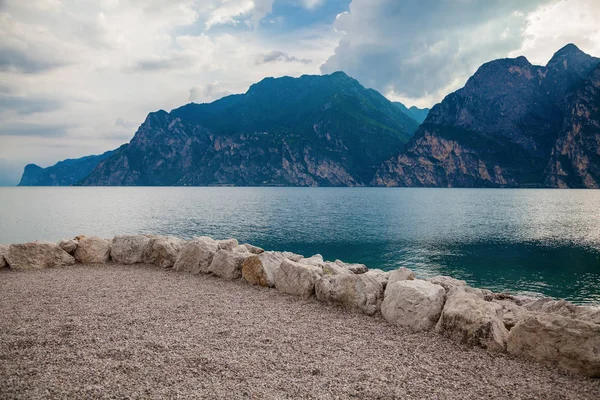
pixel 570 55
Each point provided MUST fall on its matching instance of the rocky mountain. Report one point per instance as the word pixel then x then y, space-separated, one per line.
pixel 418 114
pixel 514 124
pixel 64 173
pixel 309 131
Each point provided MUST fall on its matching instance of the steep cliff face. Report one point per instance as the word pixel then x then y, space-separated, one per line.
pixel 309 131
pixel 497 131
pixel 64 173
pixel 575 158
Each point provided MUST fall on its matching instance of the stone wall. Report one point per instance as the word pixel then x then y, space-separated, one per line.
pixel 546 330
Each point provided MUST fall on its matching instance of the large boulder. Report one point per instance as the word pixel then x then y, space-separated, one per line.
pixel 162 251
pixel 447 282
pixel 413 304
pixel 400 274
pixel 315 261
pixel 297 279
pixel 92 250
pixel 37 255
pixel 512 312
pixel 353 268
pixel 355 292
pixel 196 256
pixel 3 251
pixel 380 275
pixel 571 344
pixel 227 264
pixel 332 268
pixel 129 249
pixel 68 245
pixel 261 269
pixel 253 249
pixel 468 318
pixel 292 256
pixel 566 309
pixel 227 244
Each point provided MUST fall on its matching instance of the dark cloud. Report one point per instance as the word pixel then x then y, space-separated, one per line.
pixel 280 56
pixel 26 61
pixel 28 105
pixel 35 130
pixel 418 48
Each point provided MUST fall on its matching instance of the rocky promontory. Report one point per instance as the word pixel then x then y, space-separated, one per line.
pixel 544 329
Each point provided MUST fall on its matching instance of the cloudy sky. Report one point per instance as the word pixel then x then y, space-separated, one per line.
pixel 78 77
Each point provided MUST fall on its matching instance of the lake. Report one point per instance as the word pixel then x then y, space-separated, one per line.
pixel 544 242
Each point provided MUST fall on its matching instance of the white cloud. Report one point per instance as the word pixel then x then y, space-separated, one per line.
pixel 417 51
pixel 562 22
pixel 233 12
pixel 78 77
pixel 81 76
pixel 312 4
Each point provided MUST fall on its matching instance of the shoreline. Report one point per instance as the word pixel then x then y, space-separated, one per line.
pixel 114 330
pixel 544 330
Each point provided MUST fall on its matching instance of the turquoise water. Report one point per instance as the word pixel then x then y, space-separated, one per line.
pixel 525 241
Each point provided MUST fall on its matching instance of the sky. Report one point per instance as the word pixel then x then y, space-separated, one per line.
pixel 78 77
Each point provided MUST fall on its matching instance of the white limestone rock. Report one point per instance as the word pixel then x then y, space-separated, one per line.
pixel 380 275
pixel 37 255
pixel 129 249
pixel 227 264
pixel 566 309
pixel 196 255
pixel 93 249
pixel 261 269
pixel 400 274
pixel 68 245
pixel 297 279
pixel 253 249
pixel 163 251
pixel 512 312
pixel 292 256
pixel 413 304
pixel 569 343
pixel 447 282
pixel 361 292
pixel 3 251
pixel 354 268
pixel 332 268
pixel 315 261
pixel 227 244
pixel 470 319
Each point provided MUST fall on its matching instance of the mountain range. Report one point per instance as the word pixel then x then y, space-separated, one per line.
pixel 513 124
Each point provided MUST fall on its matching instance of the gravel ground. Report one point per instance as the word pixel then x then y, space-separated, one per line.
pixel 111 331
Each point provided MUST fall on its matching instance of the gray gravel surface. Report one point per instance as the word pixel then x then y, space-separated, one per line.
pixel 112 331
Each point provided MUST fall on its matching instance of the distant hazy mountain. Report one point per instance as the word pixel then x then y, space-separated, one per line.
pixel 418 114
pixel 309 131
pixel 513 124
pixel 64 173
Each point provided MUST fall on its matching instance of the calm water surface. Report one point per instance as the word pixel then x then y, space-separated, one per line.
pixel 526 241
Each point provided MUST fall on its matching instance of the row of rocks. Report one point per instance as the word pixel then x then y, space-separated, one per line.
pixel 545 329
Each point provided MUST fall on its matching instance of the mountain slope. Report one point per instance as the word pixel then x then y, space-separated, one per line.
pixel 499 130
pixel 575 158
pixel 418 114
pixel 308 131
pixel 64 173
